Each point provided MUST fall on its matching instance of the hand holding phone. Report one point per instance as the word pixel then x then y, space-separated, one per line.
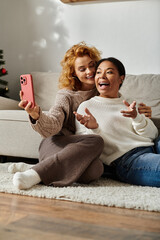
pixel 27 89
pixel 27 96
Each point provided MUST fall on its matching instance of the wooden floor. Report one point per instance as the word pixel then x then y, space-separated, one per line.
pixel 33 218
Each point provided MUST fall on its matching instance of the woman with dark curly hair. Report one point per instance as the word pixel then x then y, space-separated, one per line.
pixel 131 151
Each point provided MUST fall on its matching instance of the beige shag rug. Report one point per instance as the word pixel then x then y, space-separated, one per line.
pixel 102 192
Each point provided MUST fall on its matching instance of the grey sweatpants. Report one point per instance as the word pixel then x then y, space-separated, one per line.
pixel 64 160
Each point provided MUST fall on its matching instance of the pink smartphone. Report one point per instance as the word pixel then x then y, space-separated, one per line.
pixel 27 88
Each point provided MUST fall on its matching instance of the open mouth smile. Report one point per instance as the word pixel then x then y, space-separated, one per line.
pixel 104 85
pixel 89 77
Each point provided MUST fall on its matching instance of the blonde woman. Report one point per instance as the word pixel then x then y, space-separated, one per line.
pixel 65 158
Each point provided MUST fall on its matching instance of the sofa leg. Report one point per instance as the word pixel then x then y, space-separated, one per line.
pixel 3 159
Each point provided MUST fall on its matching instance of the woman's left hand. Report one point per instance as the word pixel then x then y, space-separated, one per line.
pixel 131 112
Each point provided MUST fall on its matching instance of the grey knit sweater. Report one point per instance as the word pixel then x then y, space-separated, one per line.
pixel 60 118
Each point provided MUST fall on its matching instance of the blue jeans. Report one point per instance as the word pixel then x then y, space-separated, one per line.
pixel 139 166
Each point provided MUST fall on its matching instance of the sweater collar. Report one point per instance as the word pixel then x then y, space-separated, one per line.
pixel 109 100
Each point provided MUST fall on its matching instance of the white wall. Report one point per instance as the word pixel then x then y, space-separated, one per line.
pixel 35 34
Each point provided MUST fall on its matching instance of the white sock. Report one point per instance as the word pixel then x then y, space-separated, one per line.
pixel 19 167
pixel 26 179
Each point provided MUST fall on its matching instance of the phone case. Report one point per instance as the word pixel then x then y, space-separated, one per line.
pixel 27 88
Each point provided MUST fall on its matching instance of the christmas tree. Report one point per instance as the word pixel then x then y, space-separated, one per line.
pixel 3 72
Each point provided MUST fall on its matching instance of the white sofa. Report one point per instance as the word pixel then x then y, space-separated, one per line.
pixel 18 138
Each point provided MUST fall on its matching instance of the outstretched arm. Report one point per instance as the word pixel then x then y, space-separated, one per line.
pixel 87 120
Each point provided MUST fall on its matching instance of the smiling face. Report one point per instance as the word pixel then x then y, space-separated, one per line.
pixel 85 72
pixel 108 80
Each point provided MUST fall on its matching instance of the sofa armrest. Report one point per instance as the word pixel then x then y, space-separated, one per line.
pixel 8 104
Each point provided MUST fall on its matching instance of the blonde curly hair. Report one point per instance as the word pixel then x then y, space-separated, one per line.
pixel 67 78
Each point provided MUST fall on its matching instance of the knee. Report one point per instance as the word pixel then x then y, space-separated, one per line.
pixel 98 141
pixel 98 145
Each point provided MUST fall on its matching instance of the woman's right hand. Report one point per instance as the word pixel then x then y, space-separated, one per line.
pixel 87 120
pixel 33 112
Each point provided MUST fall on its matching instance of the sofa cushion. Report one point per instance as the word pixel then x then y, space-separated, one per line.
pixel 45 88
pixel 14 115
pixel 143 88
pixel 8 104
